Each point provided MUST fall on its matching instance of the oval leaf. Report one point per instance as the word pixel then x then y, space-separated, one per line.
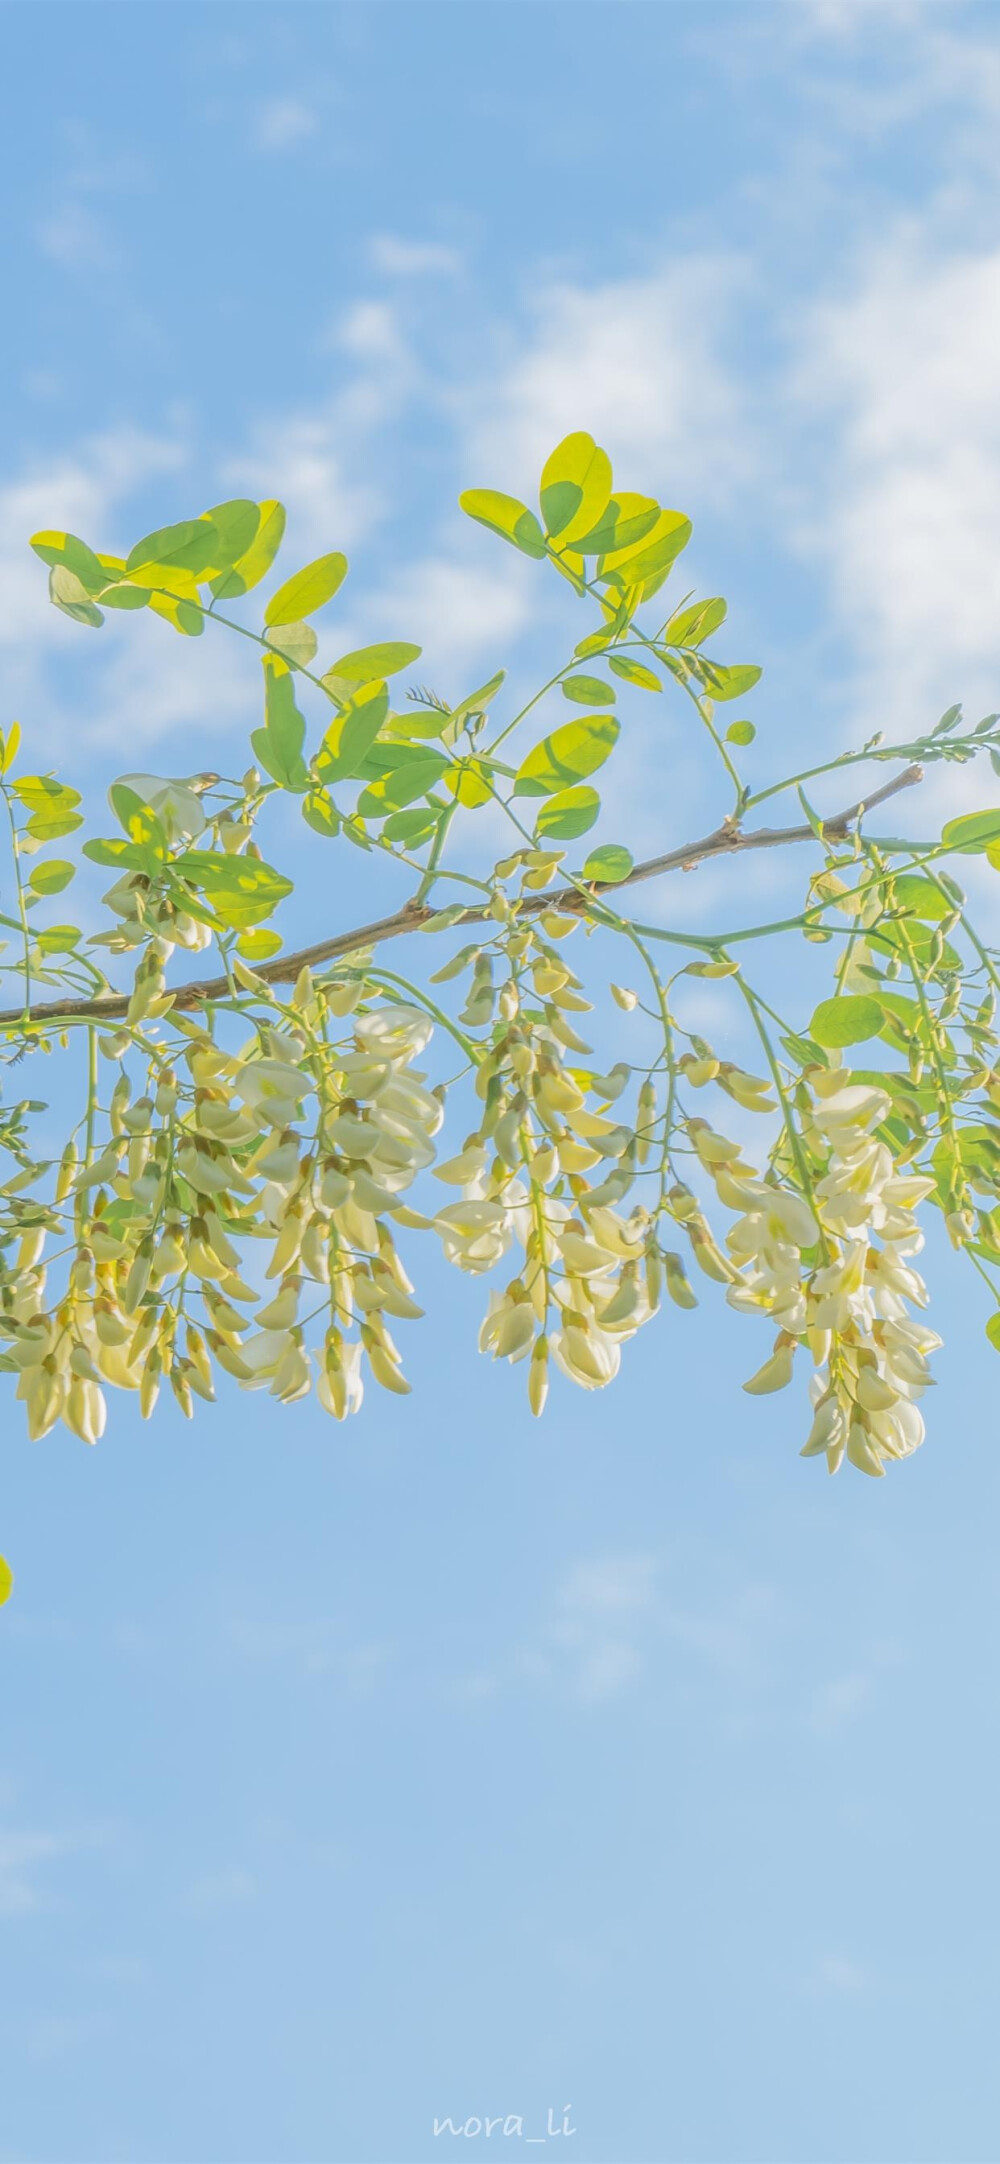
pixel 51 878
pixel 310 589
pixel 251 568
pixel 578 748
pixel 369 664
pixel 609 864
pixel 976 831
pixel 634 672
pixel 505 515
pixel 838 1022
pixel 6 1580
pixel 567 815
pixel 575 487
pixel 588 691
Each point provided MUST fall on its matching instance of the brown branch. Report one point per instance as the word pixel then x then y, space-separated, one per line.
pixel 725 841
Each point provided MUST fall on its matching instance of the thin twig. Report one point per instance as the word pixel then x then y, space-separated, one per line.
pixel 725 841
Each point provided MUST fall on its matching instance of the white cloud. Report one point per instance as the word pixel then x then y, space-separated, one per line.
pixel 283 122
pixel 76 238
pixel 399 258
pixel 79 491
pixel 639 363
pixel 906 513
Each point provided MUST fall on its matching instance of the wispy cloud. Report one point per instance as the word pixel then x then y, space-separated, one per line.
pixel 398 258
pixel 284 122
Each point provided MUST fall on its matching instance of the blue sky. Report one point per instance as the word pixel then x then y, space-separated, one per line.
pixel 451 1764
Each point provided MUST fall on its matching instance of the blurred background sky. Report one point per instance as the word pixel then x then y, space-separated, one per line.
pixel 449 1763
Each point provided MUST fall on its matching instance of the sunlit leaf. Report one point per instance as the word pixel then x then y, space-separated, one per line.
pixel 187 617
pixel 350 737
pixel 236 524
pixel 411 776
pixel 974 832
pixel 248 570
pixel 241 890
pixel 740 732
pixel 370 664
pixel 609 864
pixel 6 1580
pixel 71 596
pixel 635 566
pixel 412 828
pixel 72 554
pixel 51 877
pixel 845 1021
pixel 259 945
pixel 566 816
pixel 469 782
pixel 297 642
pixel 578 748
pixel 920 897
pixel 320 812
pixel 575 488
pixel 588 691
pixel 730 683
pixel 691 625
pixel 506 516
pixel 634 672
pixel 188 545
pixel 308 590
pixel 624 522
pixel 278 745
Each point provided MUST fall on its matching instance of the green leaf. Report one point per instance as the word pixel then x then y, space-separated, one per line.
pixel 320 812
pixel 506 516
pixel 974 832
pixel 411 828
pixel 609 864
pixel 74 555
pixel 309 590
pixel 992 1332
pixel 189 546
pixel 58 938
pixel 740 732
pixel 567 815
pixel 730 683
pixel 241 890
pixel 631 566
pixel 623 523
pixel 138 819
pixel 890 939
pixel 410 777
pixel 690 626
pixel 6 1580
pixel 278 745
pixel 236 525
pixel 122 856
pixel 248 570
pixel 350 737
pixel 474 702
pixel 920 897
pixel 578 748
pixel 845 1021
pixel 69 594
pixel 186 616
pixel 370 664
pixel 258 946
pixel 296 642
pixel 52 877
pixel 588 691
pixel 43 793
pixel 575 488
pixel 634 672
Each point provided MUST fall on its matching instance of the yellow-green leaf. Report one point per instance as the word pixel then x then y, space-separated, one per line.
pixel 297 642
pixel 740 732
pixel 248 570
pixel 609 864
pixel 575 488
pixel 241 890
pixel 578 748
pixel 51 877
pixel 236 525
pixel 624 522
pixel 71 596
pixel 974 832
pixel 690 626
pixel 565 816
pixel 6 1580
pixel 308 590
pixel 259 945
pixel 729 683
pixel 506 516
pixel 838 1022
pixel 634 672
pixel 588 691
pixel 74 555
pixel 320 812
pixel 278 745
pixel 631 565
pixel 370 664
pixel 188 545
pixel 349 738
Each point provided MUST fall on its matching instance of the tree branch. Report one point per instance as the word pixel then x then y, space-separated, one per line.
pixel 726 840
